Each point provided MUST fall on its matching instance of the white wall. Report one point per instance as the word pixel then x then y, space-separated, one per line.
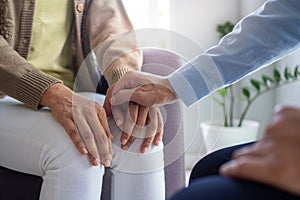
pixel 289 95
pixel 197 19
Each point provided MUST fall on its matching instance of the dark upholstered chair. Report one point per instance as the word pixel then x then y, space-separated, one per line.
pixel 16 186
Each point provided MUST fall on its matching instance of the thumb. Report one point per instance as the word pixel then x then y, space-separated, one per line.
pixel 107 107
pixel 121 97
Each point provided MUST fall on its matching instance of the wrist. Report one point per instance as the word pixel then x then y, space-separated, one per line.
pixel 54 94
pixel 171 92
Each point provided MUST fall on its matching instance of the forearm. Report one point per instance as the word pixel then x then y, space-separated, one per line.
pixel 21 80
pixel 113 40
pixel 259 39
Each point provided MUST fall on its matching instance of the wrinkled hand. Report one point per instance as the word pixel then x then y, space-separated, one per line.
pixel 275 159
pixel 144 89
pixel 84 121
pixel 131 118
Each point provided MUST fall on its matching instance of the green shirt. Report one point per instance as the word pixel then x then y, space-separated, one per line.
pixel 50 44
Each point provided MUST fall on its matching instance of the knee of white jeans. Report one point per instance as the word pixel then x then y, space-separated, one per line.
pixel 132 160
pixel 61 154
pixel 68 161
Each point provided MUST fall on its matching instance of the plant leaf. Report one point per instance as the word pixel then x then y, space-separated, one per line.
pixel 277 75
pixel 225 28
pixel 266 80
pixel 223 92
pixel 255 84
pixel 287 74
pixel 296 71
pixel 246 92
pixel 218 101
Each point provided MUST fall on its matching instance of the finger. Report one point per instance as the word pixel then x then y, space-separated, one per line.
pixel 128 143
pixel 160 130
pixel 107 105
pixel 72 132
pixel 248 167
pixel 93 161
pixel 103 121
pixel 146 144
pixel 103 144
pixel 136 95
pixel 121 97
pixel 152 122
pixel 118 115
pixel 131 118
pixel 102 138
pixel 123 139
pixel 88 138
pixel 257 149
pixel 141 120
pixel 151 129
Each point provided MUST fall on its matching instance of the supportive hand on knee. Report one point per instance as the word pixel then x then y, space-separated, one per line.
pixel 84 121
pixel 132 118
pixel 275 159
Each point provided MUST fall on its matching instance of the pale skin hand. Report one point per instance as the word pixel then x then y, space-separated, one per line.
pixel 131 118
pixel 83 120
pixel 144 89
pixel 275 159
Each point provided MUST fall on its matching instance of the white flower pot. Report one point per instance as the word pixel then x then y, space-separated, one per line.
pixel 217 136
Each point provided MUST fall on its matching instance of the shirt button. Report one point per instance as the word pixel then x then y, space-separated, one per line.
pixel 80 7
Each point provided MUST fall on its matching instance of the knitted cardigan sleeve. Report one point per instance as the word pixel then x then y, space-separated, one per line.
pixel 113 39
pixel 21 80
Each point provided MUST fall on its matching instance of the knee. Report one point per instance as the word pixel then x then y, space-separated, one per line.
pixel 132 160
pixel 68 162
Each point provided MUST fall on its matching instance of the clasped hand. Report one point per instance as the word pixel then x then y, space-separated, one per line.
pixel 131 118
pixel 86 124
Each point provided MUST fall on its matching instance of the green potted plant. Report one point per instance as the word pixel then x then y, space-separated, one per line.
pixel 236 129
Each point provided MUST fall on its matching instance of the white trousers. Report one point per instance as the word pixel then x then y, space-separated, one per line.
pixel 34 143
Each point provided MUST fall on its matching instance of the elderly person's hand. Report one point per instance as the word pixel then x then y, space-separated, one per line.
pixel 83 120
pixel 275 159
pixel 144 89
pixel 131 118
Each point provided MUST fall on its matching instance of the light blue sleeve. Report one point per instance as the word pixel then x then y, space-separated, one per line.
pixel 260 38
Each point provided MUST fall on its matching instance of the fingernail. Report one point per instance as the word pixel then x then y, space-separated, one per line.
pixel 124 141
pixel 96 162
pixel 125 148
pixel 84 151
pixel 118 122
pixel 107 163
pixel 144 149
pixel 228 167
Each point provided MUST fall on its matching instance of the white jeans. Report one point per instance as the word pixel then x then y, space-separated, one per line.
pixel 34 143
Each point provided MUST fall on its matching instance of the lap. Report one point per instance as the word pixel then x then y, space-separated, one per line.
pixel 30 140
pixel 209 165
pixel 219 188
pixel 26 133
pixel 206 183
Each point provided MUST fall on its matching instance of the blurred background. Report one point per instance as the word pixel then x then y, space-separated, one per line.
pixel 196 20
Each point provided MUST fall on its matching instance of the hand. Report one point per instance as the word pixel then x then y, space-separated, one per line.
pixel 143 89
pixel 275 159
pixel 132 118
pixel 84 121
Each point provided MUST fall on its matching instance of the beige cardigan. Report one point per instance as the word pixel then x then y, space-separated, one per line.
pixel 104 21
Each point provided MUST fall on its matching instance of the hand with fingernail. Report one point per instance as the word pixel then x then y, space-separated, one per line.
pixel 132 118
